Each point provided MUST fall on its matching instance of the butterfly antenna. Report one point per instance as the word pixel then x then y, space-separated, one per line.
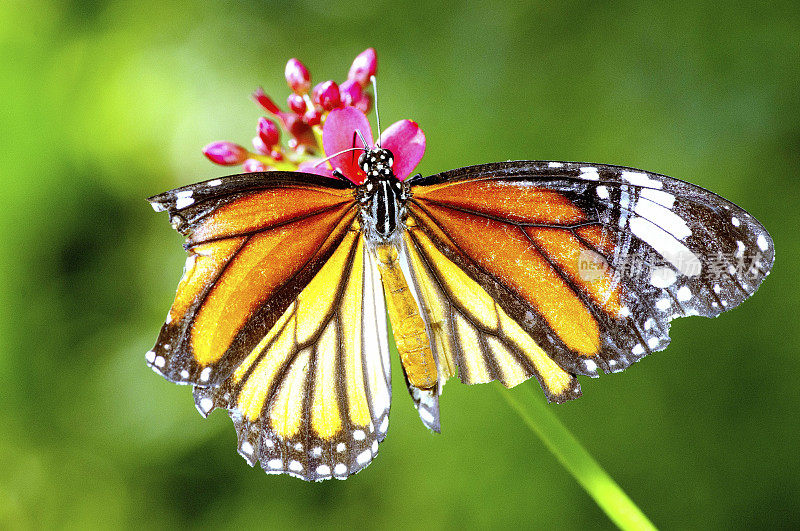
pixel 326 159
pixel 377 116
pixel 364 140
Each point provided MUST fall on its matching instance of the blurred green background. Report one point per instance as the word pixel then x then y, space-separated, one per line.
pixel 106 103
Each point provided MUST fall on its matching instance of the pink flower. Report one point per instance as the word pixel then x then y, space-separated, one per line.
pixel 318 121
pixel 297 76
pixel 265 101
pixel 225 153
pixel 268 132
pixel 296 104
pixel 364 66
pixel 404 139
pixel 327 96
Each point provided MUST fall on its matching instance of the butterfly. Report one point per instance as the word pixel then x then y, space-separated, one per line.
pixel 501 271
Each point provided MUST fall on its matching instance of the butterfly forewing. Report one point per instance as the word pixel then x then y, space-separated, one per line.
pixel 590 262
pixel 254 241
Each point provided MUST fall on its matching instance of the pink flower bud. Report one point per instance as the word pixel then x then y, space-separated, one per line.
pixel 326 95
pixel 225 153
pixel 259 146
pixel 313 117
pixel 350 92
pixel 268 131
pixel 364 104
pixel 262 99
pixel 276 155
pixel 298 77
pixel 297 104
pixel 300 131
pixel 251 165
pixel 364 66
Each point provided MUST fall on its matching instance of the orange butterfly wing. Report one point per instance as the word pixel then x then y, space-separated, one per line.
pixel 254 244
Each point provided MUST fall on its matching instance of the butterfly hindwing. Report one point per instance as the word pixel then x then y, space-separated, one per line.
pixel 472 336
pixel 591 262
pixel 312 398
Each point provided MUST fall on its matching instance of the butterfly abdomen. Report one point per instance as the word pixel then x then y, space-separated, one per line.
pixel 407 324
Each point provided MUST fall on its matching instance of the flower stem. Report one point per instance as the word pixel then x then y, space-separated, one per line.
pixel 576 459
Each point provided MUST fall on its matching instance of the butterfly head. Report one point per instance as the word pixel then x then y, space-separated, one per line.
pixel 377 163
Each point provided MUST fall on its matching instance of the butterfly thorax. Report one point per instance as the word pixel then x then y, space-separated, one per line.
pixel 382 196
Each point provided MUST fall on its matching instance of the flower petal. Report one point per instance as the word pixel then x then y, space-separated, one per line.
pixel 338 134
pixel 310 166
pixel 406 141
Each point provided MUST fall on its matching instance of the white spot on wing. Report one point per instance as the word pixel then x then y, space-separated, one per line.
pixel 324 470
pixel 183 202
pixel 554 164
pixel 602 192
pixel 206 404
pixel 663 277
pixel 739 249
pixel 664 199
pixel 590 173
pixel 735 221
pixel 215 182
pixel 762 243
pixel 150 356
pixel 247 448
pixel 340 469
pixel 275 463
pixel 364 457
pixel 663 304
pixel 205 375
pixel 638 349
pixel 340 447
pixel 652 342
pixel 359 435
pixel 295 466
pixel 684 294
pixel 666 219
pixel 638 178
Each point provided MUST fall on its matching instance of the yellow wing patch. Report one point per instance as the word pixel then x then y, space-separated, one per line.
pixel 472 335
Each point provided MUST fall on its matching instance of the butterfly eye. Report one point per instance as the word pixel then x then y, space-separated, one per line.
pixel 362 161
